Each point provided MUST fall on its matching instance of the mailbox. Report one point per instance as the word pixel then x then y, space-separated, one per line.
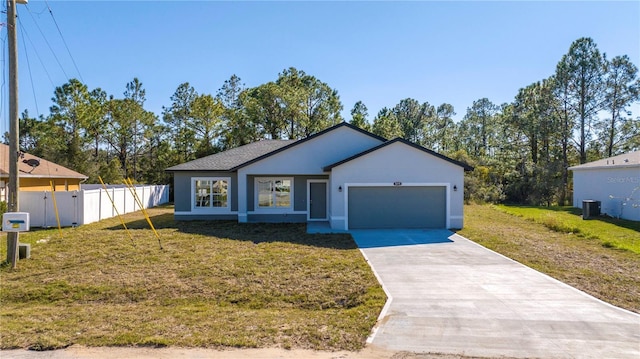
pixel 15 222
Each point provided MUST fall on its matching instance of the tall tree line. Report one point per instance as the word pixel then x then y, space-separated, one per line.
pixel 520 150
pixel 116 137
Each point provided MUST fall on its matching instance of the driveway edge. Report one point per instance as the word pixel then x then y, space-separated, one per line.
pixel 384 310
pixel 548 276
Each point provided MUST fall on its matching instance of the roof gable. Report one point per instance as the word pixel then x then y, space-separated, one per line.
pixel 42 168
pixel 405 142
pixel 309 138
pixel 631 159
pixel 233 159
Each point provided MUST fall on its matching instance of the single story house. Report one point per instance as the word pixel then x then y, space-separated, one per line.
pixel 35 174
pixel 343 175
pixel 614 181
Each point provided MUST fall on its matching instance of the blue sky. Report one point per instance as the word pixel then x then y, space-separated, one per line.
pixel 376 52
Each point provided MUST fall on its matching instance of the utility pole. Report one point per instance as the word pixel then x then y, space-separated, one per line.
pixel 14 130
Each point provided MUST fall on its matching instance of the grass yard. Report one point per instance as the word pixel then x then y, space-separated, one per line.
pixel 597 256
pixel 215 284
pixel 610 232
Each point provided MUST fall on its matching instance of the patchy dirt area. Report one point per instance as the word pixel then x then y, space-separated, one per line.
pixel 81 352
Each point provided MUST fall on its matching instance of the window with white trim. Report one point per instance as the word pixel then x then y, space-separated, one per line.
pixel 274 193
pixel 210 192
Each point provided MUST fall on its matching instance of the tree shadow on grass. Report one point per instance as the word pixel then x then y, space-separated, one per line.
pixel 295 233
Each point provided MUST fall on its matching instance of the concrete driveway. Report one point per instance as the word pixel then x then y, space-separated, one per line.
pixel 450 295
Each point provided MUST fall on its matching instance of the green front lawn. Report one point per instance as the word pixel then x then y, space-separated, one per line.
pixel 610 232
pixel 215 284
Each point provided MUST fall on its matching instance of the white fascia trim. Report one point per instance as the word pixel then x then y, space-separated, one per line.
pixel 605 167
pixel 448 188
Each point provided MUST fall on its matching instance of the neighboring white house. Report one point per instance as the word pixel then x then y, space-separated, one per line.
pixel 343 175
pixel 614 181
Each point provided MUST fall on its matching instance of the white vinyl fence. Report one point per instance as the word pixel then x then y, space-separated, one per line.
pixel 88 205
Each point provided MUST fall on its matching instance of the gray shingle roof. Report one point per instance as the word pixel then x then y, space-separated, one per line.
pixel 631 159
pixel 227 160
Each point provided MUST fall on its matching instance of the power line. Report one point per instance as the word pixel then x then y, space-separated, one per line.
pixel 47 42
pixel 63 41
pixel 37 54
pixel 26 55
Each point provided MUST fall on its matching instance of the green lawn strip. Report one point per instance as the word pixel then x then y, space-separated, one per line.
pixel 215 284
pixel 196 324
pixel 607 273
pixel 611 232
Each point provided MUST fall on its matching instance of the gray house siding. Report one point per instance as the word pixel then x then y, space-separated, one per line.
pixel 251 192
pixel 234 191
pixel 299 199
pixel 276 218
pixel 205 217
pixel 182 185
pixel 299 190
pixel 182 190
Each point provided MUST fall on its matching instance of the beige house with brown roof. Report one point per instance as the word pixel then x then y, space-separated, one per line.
pixel 36 174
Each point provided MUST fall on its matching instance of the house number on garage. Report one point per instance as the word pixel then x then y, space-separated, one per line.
pixel 397 183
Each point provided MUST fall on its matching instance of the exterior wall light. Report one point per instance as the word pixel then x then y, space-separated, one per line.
pixel 339 188
pixel 455 188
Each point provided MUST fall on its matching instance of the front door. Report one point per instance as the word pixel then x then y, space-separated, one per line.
pixel 317 200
